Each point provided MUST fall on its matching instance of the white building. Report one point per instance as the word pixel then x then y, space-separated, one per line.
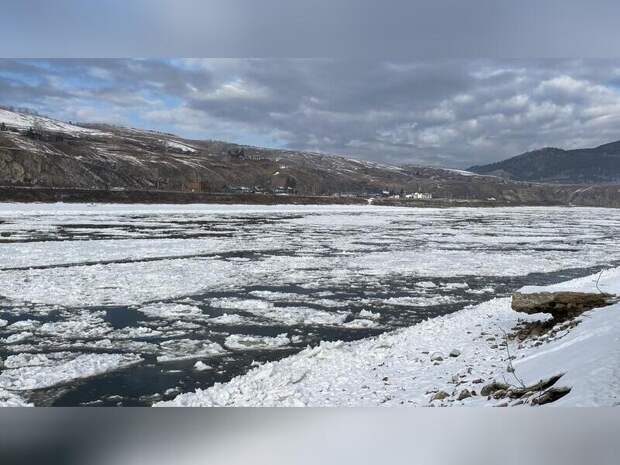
pixel 419 196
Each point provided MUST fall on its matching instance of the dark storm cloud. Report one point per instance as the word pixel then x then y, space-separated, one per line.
pixel 439 112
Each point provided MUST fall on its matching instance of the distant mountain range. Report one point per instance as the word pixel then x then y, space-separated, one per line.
pixel 41 152
pixel 552 165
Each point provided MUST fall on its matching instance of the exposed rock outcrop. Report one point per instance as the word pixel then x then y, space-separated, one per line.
pixel 560 305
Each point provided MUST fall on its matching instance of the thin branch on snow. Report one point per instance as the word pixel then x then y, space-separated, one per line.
pixel 511 368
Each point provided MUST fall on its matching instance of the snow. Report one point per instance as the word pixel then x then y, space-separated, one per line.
pixel 24 325
pixel 180 146
pixel 242 341
pixel 185 272
pixel 41 372
pixel 17 337
pixel 589 356
pixel 11 399
pixel 187 349
pixel 420 301
pixel 226 319
pixel 426 284
pixel 201 366
pixel 23 121
pixel 286 315
pixel 461 172
pixel 172 311
pixel 361 323
pixel 369 315
pixel 395 368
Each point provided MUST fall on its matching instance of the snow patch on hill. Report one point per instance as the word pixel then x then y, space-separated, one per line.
pixel 179 146
pixel 24 121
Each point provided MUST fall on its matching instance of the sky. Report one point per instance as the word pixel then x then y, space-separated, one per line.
pixel 445 112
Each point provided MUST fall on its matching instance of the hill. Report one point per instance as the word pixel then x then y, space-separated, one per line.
pixel 40 152
pixel 597 165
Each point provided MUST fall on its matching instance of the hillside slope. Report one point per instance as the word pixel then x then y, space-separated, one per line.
pixel 581 166
pixel 41 152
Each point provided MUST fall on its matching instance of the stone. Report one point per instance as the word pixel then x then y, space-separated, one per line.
pixel 441 395
pixel 493 387
pixel 464 394
pixel 560 304
pixel 455 353
pixel 436 357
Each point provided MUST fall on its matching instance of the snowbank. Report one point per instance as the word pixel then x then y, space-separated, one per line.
pixel 396 368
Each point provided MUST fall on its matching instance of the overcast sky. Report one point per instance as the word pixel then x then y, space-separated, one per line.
pixel 442 112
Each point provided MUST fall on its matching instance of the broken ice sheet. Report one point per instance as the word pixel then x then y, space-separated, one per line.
pixel 57 369
pixel 186 349
pixel 244 341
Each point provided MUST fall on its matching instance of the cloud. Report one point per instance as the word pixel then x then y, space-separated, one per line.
pixel 441 112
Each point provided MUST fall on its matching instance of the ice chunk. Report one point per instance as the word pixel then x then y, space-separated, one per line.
pixel 245 342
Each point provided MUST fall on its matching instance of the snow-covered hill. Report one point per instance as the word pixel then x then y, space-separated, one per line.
pixel 396 368
pixel 25 121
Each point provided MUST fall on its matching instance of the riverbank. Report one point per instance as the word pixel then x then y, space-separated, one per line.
pixel 445 361
pixel 74 195
pixel 66 195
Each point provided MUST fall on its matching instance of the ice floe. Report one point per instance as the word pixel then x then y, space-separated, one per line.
pixel 50 372
pixel 187 349
pixel 245 341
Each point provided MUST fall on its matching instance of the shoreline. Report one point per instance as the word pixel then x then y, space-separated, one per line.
pixel 413 366
pixel 86 196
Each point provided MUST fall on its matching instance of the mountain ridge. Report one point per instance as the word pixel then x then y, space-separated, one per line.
pixel 596 165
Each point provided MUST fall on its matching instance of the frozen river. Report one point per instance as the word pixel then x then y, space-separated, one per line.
pixel 130 304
